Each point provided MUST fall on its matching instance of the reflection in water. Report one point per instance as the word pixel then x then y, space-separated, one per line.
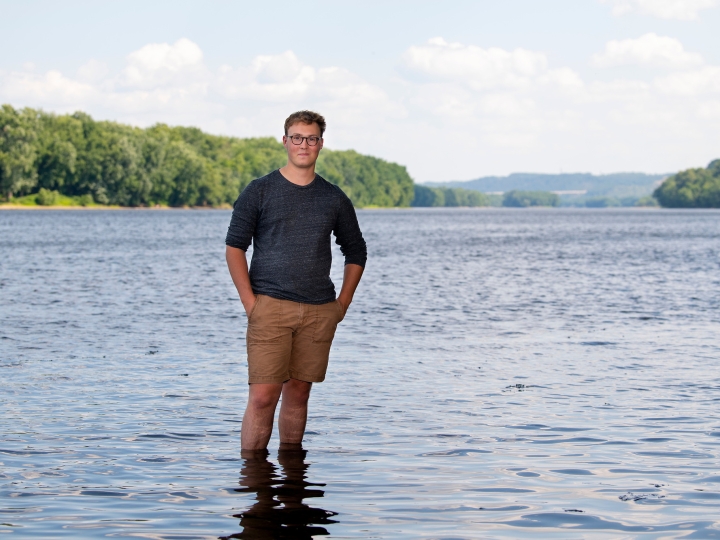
pixel 280 511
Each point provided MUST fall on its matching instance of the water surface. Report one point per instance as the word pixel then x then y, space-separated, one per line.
pixel 501 374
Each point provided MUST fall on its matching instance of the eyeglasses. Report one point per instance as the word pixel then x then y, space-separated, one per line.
pixel 298 139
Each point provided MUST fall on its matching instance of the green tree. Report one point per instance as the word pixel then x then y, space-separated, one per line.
pixel 58 140
pixel 45 197
pixel 367 181
pixel 648 200
pixel 464 197
pixel 178 178
pixel 601 202
pixel 426 196
pixel 693 188
pixel 18 137
pixel 111 163
pixel 518 199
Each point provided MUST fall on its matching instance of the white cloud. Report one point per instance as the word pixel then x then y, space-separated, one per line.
pixel 450 102
pixel 93 71
pixel 466 82
pixel 170 83
pixel 710 110
pixel 277 78
pixel 485 70
pixel 647 50
pixel 456 110
pixel 500 99
pixel 480 68
pixel 691 83
pixel 344 88
pixel 683 10
pixel 50 89
pixel 617 91
pixel 490 105
pixel 564 80
pixel 283 80
pixel 161 63
pixel 280 69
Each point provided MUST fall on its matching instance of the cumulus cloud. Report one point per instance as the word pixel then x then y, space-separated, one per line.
pixel 481 68
pixel 647 50
pixel 454 111
pixel 158 64
pixel 499 98
pixel 617 91
pixel 563 79
pixel 691 83
pixel 281 68
pixel 170 82
pixel 494 102
pixel 683 10
pixel 93 71
pixel 272 78
pixel 461 81
pixel 710 110
pixel 284 79
pixel 50 89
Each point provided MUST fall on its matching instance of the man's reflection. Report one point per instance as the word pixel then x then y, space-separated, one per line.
pixel 280 511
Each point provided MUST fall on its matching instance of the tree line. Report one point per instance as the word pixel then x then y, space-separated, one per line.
pixel 523 199
pixel 73 159
pixel 692 188
pixel 439 196
pixel 428 196
pixel 97 162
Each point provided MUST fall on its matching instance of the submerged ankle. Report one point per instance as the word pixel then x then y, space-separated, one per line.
pixel 291 446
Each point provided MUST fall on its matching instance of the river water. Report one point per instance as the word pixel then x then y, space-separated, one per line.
pixel 501 374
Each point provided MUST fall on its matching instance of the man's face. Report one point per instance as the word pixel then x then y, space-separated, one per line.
pixel 302 155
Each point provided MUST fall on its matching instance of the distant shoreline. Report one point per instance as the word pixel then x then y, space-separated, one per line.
pixel 12 207
pixel 97 207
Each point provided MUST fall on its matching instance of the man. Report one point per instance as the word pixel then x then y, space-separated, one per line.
pixel 287 294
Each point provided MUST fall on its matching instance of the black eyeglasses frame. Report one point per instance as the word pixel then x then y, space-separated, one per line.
pixel 291 137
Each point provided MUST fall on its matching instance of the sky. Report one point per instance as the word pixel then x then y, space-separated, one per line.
pixel 453 90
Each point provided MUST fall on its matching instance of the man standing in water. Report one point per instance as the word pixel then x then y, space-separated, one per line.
pixel 287 294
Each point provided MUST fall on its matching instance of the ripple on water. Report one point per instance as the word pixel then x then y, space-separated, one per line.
pixel 500 373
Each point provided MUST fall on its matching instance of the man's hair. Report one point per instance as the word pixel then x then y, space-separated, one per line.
pixel 305 117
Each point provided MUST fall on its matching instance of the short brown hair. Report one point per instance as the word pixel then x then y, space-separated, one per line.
pixel 305 117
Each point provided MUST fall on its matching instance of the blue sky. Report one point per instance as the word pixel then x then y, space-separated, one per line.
pixel 454 90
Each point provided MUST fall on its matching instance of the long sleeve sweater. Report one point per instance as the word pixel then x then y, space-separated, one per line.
pixel 290 227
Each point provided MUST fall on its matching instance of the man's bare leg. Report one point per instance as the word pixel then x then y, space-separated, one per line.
pixel 258 419
pixel 293 412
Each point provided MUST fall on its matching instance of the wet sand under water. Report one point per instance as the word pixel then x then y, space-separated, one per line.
pixel 502 374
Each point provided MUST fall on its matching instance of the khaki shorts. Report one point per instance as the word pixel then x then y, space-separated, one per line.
pixel 290 340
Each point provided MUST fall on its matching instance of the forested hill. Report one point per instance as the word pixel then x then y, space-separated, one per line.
pixel 693 188
pixel 111 163
pixel 617 183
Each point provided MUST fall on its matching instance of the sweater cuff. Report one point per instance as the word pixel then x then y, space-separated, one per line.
pixel 360 261
pixel 234 243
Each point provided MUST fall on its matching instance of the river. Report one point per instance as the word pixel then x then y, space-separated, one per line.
pixel 501 374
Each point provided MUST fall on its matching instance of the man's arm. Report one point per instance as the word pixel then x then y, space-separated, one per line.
pixel 238 266
pixel 352 245
pixel 351 279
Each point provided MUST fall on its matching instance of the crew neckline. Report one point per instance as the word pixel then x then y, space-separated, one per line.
pixel 297 185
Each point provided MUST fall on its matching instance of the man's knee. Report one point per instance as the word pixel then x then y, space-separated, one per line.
pixel 296 391
pixel 264 396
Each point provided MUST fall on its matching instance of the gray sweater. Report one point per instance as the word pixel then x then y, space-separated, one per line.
pixel 291 227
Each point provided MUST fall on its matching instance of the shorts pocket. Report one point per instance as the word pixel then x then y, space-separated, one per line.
pixel 326 321
pixel 264 321
pixel 254 308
